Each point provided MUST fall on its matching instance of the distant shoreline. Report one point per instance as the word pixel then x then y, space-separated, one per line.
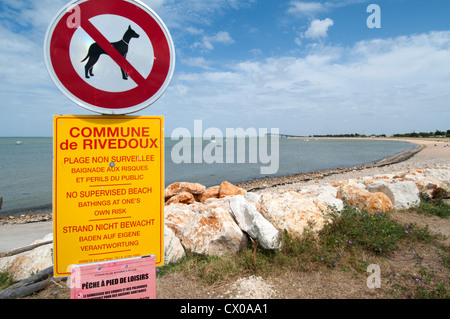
pixel 413 140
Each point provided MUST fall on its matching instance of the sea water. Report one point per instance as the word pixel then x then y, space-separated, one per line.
pixel 26 165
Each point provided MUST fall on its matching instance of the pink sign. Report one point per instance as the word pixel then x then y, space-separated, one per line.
pixel 131 278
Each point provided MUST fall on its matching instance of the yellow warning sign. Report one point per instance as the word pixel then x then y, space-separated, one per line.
pixel 108 189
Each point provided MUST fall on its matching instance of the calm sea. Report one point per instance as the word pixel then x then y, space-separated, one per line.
pixel 26 168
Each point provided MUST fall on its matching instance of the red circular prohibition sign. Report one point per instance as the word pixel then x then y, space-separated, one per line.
pixel 59 55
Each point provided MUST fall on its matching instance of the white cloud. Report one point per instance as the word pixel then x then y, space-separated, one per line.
pixel 199 62
pixel 305 8
pixel 318 28
pixel 155 4
pixel 221 37
pixel 310 9
pixel 207 43
pixel 177 14
pixel 194 31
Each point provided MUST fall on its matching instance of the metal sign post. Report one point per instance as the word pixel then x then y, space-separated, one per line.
pixel 112 57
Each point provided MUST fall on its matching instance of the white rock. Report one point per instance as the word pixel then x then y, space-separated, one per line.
pixel 206 228
pixel 356 183
pixel 424 184
pixel 252 197
pixel 24 265
pixel 293 212
pixel 324 193
pixel 173 250
pixel 253 223
pixel 48 237
pixel 403 194
pixel 177 215
pixel 441 175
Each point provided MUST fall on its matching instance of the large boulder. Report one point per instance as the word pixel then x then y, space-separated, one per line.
pixel 228 189
pixel 23 265
pixel 176 216
pixel 182 197
pixel 324 193
pixel 426 184
pixel 352 182
pixel 403 194
pixel 440 174
pixel 252 197
pixel 210 192
pixel 363 199
pixel 175 188
pixel 253 223
pixel 376 178
pixel 173 250
pixel 187 193
pixel 206 228
pixel 293 212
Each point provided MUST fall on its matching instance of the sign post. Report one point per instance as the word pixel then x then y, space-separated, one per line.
pixel 112 57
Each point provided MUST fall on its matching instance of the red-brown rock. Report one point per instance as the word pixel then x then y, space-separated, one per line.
pixel 210 192
pixel 175 188
pixel 362 199
pixel 182 197
pixel 228 189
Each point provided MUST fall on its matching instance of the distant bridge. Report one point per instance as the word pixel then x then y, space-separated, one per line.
pixel 281 135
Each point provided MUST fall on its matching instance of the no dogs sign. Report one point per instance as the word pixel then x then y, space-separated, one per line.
pixel 109 56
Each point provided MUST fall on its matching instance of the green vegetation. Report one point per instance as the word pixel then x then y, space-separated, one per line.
pixel 376 232
pixel 437 133
pixel 5 280
pixel 434 206
pixel 348 135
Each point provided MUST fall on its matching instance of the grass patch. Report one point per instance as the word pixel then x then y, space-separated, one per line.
pixel 434 206
pixel 427 286
pixel 374 232
pixel 444 253
pixel 6 280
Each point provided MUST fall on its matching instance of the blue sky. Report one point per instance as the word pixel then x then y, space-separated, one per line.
pixel 304 67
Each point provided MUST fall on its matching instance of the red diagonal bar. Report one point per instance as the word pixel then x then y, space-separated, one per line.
pixel 92 31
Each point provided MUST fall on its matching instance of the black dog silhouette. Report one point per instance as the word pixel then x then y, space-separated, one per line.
pixel 95 51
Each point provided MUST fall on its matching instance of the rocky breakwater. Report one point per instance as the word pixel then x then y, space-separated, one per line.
pixel 213 221
pixel 222 219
